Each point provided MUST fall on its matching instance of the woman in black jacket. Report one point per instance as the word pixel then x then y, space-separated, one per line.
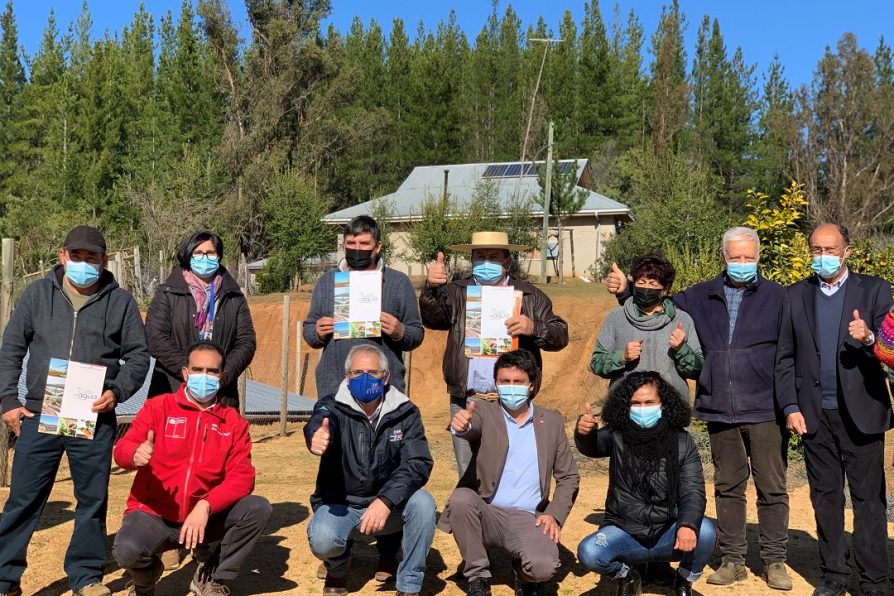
pixel 655 506
pixel 199 300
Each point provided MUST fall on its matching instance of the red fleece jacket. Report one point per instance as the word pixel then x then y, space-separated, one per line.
pixel 199 454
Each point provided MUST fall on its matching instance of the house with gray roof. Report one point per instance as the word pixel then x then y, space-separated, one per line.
pixel 584 236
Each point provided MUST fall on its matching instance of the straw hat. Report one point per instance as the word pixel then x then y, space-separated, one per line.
pixel 489 240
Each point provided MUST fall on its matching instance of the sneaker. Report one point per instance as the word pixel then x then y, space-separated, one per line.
pixel 479 587
pixel 13 591
pixel 386 568
pixel 94 589
pixel 335 586
pixel 203 584
pixel 776 576
pixel 630 585
pixel 171 559
pixel 728 573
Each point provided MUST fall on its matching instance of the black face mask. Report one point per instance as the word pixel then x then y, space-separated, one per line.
pixel 357 259
pixel 646 297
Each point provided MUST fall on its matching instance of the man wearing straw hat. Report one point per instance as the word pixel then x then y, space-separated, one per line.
pixel 443 306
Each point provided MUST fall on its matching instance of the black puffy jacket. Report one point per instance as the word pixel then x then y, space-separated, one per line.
pixel 390 461
pixel 627 510
pixel 170 331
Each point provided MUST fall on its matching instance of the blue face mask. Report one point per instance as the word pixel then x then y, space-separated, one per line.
pixel 82 274
pixel 645 416
pixel 826 266
pixel 204 265
pixel 741 272
pixel 513 396
pixel 202 386
pixel 487 272
pixel 366 388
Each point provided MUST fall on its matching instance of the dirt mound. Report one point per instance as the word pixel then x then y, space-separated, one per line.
pixel 567 378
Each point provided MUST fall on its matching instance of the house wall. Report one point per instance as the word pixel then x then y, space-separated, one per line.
pixel 588 233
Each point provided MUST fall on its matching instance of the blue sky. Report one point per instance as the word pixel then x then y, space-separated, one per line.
pixel 798 31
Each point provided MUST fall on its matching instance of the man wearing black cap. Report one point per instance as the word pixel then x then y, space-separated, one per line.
pixel 76 313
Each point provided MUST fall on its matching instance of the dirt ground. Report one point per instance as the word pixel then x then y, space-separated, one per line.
pixel 282 562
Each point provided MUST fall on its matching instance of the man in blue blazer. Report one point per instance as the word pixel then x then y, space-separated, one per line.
pixel 833 392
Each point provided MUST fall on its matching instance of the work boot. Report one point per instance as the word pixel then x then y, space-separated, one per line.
pixel 479 587
pixel 682 586
pixel 728 573
pixel 630 585
pixel 322 571
pixel 142 581
pixel 203 584
pixel 386 568
pixel 776 576
pixel 171 559
pixel 335 586
pixel 830 588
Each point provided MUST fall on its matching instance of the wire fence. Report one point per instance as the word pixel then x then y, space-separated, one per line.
pixel 272 390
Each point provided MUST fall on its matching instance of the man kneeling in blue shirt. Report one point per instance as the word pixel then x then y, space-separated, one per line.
pixel 502 501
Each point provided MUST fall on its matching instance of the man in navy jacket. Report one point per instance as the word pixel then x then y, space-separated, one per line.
pixel 738 316
pixel 834 394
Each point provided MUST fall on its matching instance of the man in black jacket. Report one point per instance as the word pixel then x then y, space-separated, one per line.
pixel 834 394
pixel 374 461
pixel 76 313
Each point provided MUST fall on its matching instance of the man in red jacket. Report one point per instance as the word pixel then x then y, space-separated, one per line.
pixel 193 484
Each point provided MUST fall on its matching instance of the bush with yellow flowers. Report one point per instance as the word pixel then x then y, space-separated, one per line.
pixel 785 254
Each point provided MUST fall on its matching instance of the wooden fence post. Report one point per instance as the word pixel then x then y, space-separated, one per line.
pixel 242 395
pixel 8 271
pixel 299 336
pixel 138 273
pixel 120 269
pixel 284 368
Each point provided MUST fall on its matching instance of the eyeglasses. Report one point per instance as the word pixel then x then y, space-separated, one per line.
pixel 208 255
pixel 376 374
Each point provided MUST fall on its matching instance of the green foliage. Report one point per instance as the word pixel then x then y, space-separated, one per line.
pixel 295 231
pixel 785 257
pixel 695 262
pixel 382 211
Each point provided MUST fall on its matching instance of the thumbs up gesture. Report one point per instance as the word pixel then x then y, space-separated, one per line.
pixel 677 338
pixel 462 422
pixel 143 454
pixel 858 328
pixel 633 350
pixel 615 281
pixel 319 443
pixel 437 271
pixel 587 422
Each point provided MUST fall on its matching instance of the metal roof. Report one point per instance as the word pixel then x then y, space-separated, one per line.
pixel 405 204
pixel 260 399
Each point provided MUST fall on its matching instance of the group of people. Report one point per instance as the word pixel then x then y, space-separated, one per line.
pixel 766 361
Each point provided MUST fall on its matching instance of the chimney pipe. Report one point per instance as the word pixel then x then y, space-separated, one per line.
pixel 446 175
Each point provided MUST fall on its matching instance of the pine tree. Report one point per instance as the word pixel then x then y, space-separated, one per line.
pixel 12 82
pixel 560 85
pixel 775 133
pixel 596 94
pixel 668 88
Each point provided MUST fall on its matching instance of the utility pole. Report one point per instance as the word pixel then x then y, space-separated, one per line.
pixel 547 193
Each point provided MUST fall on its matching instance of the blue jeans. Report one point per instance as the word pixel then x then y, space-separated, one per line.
pixel 34 467
pixel 332 528
pixel 611 551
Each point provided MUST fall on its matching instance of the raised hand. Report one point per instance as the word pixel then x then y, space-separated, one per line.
pixel 319 443
pixel 615 281
pixel 633 350
pixel 463 419
pixel 587 422
pixel 677 338
pixel 858 328
pixel 143 455
pixel 437 272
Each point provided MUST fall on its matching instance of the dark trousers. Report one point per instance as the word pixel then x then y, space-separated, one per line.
pixel 477 526
pixel 758 450
pixel 34 467
pixel 837 449
pixel 143 536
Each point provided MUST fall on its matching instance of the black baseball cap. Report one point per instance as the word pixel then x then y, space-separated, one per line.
pixel 85 238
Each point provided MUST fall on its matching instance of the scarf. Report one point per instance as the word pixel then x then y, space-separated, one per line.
pixel 204 296
pixel 644 449
pixel 645 322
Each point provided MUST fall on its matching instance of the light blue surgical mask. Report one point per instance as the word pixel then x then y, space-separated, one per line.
pixel 826 266
pixel 82 274
pixel 645 416
pixel 487 272
pixel 741 272
pixel 204 265
pixel 513 396
pixel 202 386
